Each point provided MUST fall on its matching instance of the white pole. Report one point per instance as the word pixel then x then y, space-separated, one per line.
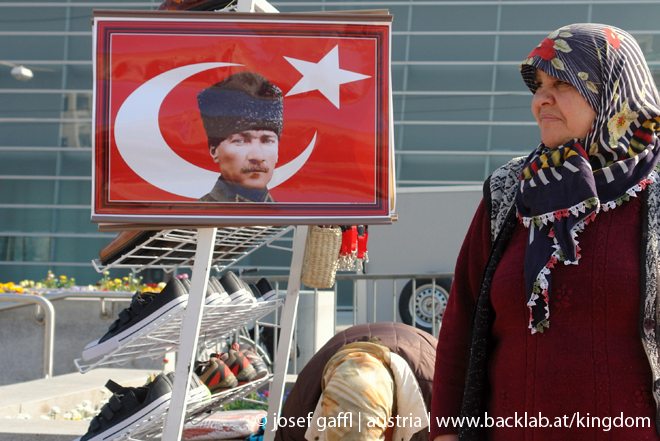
pixel 189 333
pixel 276 392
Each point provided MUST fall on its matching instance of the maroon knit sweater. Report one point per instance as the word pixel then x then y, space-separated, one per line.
pixel 589 363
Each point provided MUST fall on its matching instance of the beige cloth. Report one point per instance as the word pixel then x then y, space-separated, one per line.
pixel 363 385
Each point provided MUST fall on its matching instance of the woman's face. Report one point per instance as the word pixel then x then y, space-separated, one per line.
pixel 560 111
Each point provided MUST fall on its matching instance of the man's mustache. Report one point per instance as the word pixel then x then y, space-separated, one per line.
pixel 255 168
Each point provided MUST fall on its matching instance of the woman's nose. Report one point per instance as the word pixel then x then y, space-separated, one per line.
pixel 543 96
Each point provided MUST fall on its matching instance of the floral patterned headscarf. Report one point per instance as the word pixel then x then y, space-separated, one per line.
pixel 562 189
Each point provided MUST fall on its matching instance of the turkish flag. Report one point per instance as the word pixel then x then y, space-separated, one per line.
pixel 152 154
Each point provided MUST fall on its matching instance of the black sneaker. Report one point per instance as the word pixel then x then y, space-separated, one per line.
pixel 266 291
pixel 145 309
pixel 129 407
pixel 238 291
pixel 217 288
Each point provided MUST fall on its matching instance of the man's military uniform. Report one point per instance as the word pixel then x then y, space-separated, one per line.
pixel 224 191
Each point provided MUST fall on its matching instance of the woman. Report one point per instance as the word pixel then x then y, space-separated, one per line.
pixel 556 280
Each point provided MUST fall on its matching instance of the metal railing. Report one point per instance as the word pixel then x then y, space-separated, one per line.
pixel 44 302
pixel 49 324
pixel 374 278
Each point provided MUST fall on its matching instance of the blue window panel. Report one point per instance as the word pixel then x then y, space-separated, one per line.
pixel 452 48
pixel 442 168
pixel 543 17
pixel 441 138
pixel 454 18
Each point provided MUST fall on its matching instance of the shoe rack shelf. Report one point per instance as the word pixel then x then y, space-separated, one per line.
pixel 196 410
pixel 164 335
pixel 201 324
pixel 172 249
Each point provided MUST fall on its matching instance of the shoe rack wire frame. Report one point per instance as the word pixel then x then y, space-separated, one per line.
pixel 163 335
pixel 190 331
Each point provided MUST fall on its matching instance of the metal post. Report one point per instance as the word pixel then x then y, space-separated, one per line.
pixel 288 320
pixel 334 313
pixel 354 302
pixel 373 319
pixel 394 300
pixel 189 334
pixel 433 308
pixel 414 311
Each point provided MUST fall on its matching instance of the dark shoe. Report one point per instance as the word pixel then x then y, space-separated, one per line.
pixel 145 309
pixel 248 351
pixel 266 291
pixel 238 291
pixel 217 288
pixel 215 375
pixel 239 365
pixel 128 407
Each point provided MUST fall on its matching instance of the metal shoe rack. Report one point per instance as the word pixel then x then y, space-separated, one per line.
pixel 203 249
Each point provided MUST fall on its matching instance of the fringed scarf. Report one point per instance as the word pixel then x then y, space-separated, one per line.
pixel 563 189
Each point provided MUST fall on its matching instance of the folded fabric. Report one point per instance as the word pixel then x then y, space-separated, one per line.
pixel 409 400
pixel 228 424
pixel 377 388
pixel 358 395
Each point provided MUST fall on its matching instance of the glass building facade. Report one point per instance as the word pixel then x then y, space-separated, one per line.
pixel 460 107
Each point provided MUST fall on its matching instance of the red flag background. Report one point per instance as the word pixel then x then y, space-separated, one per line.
pixel 350 160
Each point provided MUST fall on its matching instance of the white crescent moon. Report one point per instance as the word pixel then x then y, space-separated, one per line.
pixel 143 148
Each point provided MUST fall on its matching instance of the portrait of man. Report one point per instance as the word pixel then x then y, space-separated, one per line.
pixel 242 117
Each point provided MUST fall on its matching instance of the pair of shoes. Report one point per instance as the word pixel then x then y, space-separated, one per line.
pixel 146 309
pixel 236 367
pixel 248 352
pixel 241 292
pixel 216 375
pixel 129 407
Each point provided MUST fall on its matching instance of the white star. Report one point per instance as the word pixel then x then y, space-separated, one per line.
pixel 324 76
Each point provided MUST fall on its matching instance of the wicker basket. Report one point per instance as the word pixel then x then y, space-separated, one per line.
pixel 321 257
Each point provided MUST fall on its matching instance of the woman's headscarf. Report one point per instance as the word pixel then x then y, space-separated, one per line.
pixel 562 189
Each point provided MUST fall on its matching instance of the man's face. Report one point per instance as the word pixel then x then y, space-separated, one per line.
pixel 247 158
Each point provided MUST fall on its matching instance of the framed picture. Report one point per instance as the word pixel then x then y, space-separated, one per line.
pixel 204 118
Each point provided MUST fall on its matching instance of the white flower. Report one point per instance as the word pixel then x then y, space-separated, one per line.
pixel 620 122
